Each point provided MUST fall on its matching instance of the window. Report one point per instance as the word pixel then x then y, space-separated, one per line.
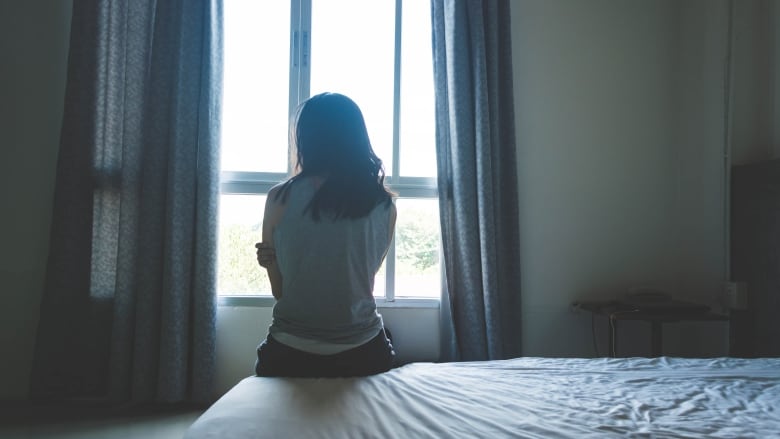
pixel 277 54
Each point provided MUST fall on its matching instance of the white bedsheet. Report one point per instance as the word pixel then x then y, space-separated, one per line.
pixel 518 398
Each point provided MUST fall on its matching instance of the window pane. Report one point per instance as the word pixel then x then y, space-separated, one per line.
pixel 417 243
pixel 352 52
pixel 240 227
pixel 417 130
pixel 255 90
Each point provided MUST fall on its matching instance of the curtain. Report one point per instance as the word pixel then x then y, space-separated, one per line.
pixel 128 310
pixel 477 177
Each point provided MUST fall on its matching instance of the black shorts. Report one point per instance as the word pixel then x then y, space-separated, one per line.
pixel 279 360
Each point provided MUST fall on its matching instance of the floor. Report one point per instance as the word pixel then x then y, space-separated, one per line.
pixel 29 422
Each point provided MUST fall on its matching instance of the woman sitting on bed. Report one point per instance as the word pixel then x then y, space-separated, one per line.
pixel 326 232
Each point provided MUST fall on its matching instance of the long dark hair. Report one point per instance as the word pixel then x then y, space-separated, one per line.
pixel 330 138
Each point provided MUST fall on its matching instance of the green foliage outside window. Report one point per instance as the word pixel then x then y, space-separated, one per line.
pixel 417 241
pixel 238 270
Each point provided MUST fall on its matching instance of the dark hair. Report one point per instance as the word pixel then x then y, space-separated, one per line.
pixel 330 138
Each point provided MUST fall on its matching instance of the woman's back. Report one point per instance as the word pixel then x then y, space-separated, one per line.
pixel 328 267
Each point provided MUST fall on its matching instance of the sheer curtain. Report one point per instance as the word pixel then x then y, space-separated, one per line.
pixel 128 311
pixel 477 179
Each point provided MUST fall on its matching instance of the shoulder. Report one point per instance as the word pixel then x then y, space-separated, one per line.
pixel 279 192
pixel 274 192
pixel 276 201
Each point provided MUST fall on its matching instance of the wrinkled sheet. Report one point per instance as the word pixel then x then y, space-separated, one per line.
pixel 517 398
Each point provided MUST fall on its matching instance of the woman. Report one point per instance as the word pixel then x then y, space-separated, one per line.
pixel 326 232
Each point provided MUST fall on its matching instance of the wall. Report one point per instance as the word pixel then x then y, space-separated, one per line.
pixel 701 207
pixel 776 77
pixel 755 92
pixel 33 47
pixel 607 138
pixel 701 204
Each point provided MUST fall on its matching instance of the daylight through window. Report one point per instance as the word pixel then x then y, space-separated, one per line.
pixel 378 53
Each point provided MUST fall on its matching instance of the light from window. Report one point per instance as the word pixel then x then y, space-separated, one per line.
pixel 417 130
pixel 240 227
pixel 278 54
pixel 417 243
pixel 254 95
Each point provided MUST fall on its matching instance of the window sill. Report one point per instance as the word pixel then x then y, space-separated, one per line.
pixel 268 302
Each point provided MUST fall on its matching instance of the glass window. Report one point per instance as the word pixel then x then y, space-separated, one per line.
pixel 279 53
pixel 240 227
pixel 417 127
pixel 254 106
pixel 417 237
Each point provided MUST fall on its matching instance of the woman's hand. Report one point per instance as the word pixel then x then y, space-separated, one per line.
pixel 266 255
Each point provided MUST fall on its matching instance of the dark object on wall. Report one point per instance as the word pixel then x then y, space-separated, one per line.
pixel 755 258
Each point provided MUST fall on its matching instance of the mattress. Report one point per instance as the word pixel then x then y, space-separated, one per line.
pixel 518 398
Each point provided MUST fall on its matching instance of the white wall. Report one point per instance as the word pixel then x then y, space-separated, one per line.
pixel 700 112
pixel 604 150
pixel 776 77
pixel 755 121
pixel 33 47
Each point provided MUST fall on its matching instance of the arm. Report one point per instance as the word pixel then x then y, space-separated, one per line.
pixel 265 250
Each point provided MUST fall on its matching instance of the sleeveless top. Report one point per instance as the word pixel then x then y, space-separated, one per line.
pixel 328 269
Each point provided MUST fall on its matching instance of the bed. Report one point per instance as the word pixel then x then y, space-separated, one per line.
pixel 517 398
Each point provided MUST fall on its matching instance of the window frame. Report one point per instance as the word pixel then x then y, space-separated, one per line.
pixel 259 183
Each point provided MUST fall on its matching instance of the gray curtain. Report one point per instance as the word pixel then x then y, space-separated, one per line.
pixel 128 311
pixel 477 179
